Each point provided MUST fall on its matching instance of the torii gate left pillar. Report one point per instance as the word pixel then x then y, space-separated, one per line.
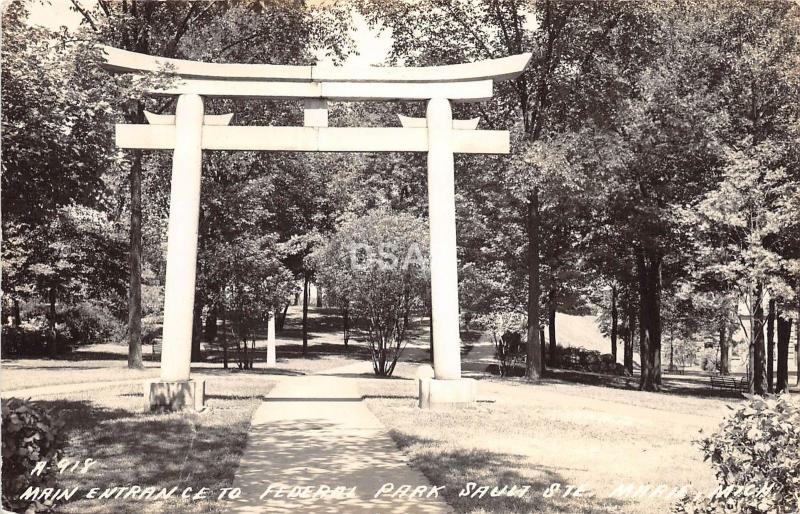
pixel 190 132
pixel 175 389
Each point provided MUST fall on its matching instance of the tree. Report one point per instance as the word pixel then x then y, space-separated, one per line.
pixel 55 148
pixel 242 31
pixel 552 95
pixel 56 155
pixel 378 263
pixel 75 256
pixel 252 282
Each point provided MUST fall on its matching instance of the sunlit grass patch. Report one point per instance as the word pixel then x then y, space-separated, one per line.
pixel 537 435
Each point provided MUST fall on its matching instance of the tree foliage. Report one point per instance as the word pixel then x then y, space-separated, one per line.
pixel 377 263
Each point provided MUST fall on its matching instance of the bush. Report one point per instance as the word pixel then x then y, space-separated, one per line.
pixel 509 351
pixel 709 360
pixel 759 445
pixel 30 435
pixel 81 323
pixel 507 328
pixel 377 262
pixel 87 323
pixel 31 338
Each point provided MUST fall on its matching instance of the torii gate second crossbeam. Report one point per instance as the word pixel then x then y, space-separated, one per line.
pixel 190 131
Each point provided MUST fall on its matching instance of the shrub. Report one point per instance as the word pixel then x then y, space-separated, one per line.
pixel 757 446
pixel 31 338
pixel 81 323
pixel 378 263
pixel 509 351
pixel 581 359
pixel 88 323
pixel 30 435
pixel 506 328
pixel 709 360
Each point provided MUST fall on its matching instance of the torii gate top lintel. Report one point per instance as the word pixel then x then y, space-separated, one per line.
pixel 316 85
pixel 504 68
pixel 468 82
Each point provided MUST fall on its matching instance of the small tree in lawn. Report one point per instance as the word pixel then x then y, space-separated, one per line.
pixel 253 281
pixel 379 263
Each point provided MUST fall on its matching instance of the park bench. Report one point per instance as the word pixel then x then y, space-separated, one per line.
pixel 728 383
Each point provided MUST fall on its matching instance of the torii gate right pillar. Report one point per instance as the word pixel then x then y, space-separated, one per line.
pixel 446 386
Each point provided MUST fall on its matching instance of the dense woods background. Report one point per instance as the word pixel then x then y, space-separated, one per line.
pixel 654 178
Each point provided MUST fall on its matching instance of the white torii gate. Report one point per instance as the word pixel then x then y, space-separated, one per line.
pixel 190 131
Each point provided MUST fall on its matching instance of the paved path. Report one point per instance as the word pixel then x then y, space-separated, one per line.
pixel 315 431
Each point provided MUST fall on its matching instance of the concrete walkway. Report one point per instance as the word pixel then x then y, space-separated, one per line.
pixel 314 432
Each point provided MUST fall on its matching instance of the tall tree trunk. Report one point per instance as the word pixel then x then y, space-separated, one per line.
pixel 224 340
pixel 319 297
pixel 614 318
pixel 770 345
pixel 197 329
pixel 135 263
pixel 628 356
pixel 305 313
pixel 53 346
pixel 723 348
pixel 210 330
pixel 139 42
pixel 346 326
pixel 649 271
pixel 784 335
pixel 282 318
pixel 645 363
pixel 17 319
pixel 534 361
pixel 655 319
pixel 758 380
pixel 551 329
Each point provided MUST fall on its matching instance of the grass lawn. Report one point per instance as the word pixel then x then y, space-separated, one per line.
pixel 571 430
pixel 186 449
pixel 552 432
pixel 95 363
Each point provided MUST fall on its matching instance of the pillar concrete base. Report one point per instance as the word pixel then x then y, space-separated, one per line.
pixel 174 395
pixel 435 393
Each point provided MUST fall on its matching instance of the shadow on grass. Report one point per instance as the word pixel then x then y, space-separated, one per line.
pixel 259 397
pixel 186 449
pixel 76 356
pixel 235 371
pixel 405 397
pixel 455 468
pixel 671 386
pixel 367 376
pixel 353 351
pixel 294 351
